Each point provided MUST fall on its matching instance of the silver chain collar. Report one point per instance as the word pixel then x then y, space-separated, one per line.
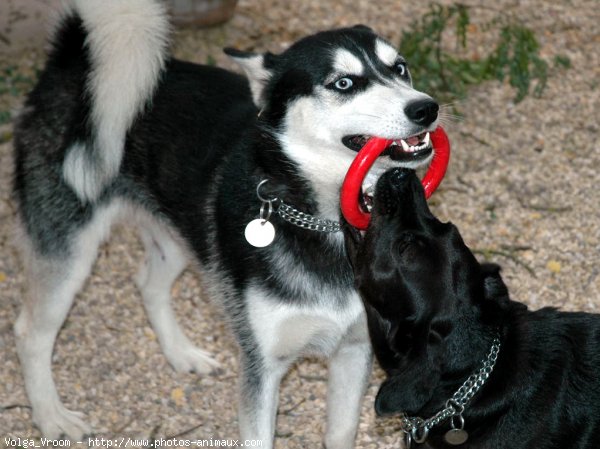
pixel 417 429
pixel 296 217
pixel 306 221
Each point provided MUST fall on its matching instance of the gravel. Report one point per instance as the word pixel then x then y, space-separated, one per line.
pixel 522 187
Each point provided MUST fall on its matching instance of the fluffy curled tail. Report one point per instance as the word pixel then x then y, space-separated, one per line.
pixel 127 46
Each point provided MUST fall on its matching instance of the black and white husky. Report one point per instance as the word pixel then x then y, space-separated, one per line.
pixel 115 127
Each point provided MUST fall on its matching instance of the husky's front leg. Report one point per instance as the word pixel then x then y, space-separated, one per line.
pixel 349 371
pixel 259 397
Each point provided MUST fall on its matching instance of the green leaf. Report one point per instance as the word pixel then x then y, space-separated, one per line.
pixel 562 61
pixel 448 75
pixel 5 117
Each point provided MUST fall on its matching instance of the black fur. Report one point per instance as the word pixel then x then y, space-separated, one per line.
pixel 52 120
pixel 173 154
pixel 433 311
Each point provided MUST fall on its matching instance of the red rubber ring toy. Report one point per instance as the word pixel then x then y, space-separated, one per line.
pixel 365 159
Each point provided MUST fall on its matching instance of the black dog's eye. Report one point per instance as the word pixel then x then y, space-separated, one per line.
pixel 410 247
pixel 343 84
pixel 403 242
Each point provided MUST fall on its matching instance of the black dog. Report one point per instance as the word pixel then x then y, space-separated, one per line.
pixel 437 318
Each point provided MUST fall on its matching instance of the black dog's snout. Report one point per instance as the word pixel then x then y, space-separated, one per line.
pixel 400 175
pixel 395 181
pixel 393 188
pixel 422 112
pixel 400 190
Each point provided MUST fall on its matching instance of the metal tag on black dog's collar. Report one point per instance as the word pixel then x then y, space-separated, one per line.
pixel 456 437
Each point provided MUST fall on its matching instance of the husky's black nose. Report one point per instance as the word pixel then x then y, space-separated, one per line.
pixel 422 112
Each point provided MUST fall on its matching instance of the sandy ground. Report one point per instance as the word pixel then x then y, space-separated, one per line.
pixel 522 187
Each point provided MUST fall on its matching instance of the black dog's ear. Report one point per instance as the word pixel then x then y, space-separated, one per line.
pixel 494 288
pixel 407 394
pixel 388 398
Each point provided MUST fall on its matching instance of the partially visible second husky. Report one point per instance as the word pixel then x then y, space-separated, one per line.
pixel 117 128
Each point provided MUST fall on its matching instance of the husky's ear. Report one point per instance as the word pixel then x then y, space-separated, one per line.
pixel 257 68
pixel 360 26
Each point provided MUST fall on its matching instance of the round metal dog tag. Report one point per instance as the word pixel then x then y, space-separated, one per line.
pixel 456 437
pixel 259 233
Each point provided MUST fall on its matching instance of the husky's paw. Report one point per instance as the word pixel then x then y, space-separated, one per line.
pixel 57 421
pixel 189 359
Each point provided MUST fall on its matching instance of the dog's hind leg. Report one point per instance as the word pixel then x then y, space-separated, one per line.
pixel 54 278
pixel 52 288
pixel 349 371
pixel 164 262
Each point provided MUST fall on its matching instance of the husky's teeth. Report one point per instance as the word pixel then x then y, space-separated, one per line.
pixel 405 145
pixel 426 140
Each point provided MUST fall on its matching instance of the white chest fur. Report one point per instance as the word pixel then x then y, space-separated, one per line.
pixel 284 330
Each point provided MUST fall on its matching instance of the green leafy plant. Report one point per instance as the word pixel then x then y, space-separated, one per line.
pixel 4 118
pixel 449 73
pixel 12 84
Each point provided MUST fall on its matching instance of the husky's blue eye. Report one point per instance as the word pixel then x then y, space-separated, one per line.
pixel 400 67
pixel 343 84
